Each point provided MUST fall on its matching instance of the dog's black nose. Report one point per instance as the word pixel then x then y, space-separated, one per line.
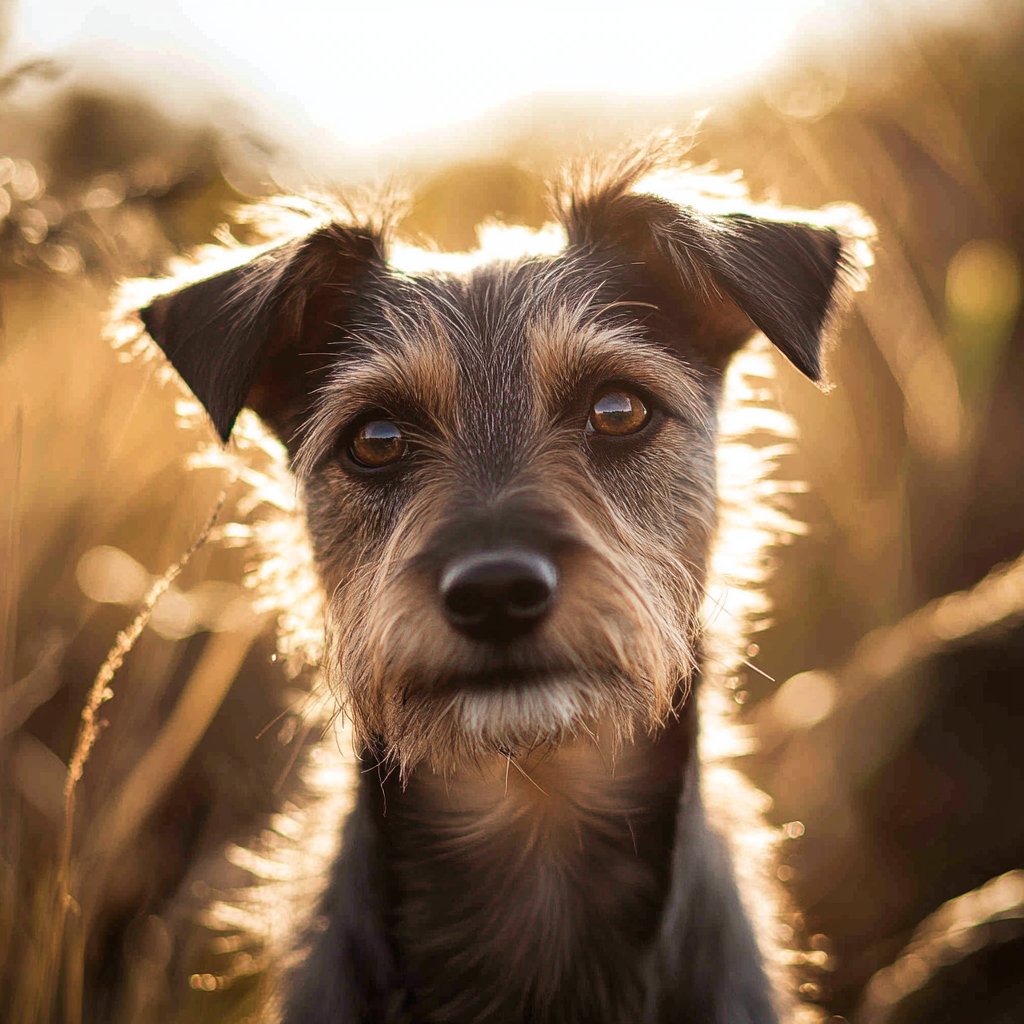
pixel 497 595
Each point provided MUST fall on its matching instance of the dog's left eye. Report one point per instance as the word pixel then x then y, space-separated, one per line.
pixel 377 443
pixel 617 412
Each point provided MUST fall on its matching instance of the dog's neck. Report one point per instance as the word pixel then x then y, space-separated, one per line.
pixel 580 891
pixel 531 888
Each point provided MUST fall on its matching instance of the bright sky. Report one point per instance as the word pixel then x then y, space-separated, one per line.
pixel 372 70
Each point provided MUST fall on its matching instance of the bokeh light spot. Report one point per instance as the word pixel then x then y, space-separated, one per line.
pixel 983 282
pixel 805 699
pixel 111 576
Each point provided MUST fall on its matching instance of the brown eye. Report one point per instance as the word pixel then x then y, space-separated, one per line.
pixel 617 413
pixel 377 443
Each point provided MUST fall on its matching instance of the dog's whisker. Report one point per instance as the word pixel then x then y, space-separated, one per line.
pixel 522 771
pixel 759 671
pixel 277 718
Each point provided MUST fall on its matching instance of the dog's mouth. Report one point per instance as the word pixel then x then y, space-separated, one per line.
pixel 457 715
pixel 502 677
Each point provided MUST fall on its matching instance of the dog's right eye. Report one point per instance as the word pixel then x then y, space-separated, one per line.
pixel 617 412
pixel 377 443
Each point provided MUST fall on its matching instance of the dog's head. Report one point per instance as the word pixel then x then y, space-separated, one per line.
pixel 509 473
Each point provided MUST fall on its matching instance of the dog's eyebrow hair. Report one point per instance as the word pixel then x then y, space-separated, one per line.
pixel 409 370
pixel 569 350
pixel 626 303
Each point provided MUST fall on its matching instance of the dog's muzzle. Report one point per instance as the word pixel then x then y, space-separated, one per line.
pixel 497 596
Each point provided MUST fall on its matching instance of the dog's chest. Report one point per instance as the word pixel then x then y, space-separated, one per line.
pixel 532 891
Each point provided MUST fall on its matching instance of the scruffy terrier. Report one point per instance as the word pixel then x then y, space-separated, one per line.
pixel 510 485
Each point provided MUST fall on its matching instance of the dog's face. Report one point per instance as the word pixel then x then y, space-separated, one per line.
pixel 510 490
pixel 509 474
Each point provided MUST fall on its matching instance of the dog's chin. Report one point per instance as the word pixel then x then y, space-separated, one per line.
pixel 461 724
pixel 527 712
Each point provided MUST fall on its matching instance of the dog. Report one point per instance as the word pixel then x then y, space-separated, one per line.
pixel 509 479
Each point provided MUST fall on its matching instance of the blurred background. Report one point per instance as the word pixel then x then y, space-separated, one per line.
pixel 888 696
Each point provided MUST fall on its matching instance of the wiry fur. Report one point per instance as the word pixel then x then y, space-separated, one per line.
pixel 529 840
pixel 622 638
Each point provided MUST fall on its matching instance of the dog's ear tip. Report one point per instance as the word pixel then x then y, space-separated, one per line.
pixel 818 376
pixel 808 362
pixel 223 429
pixel 813 368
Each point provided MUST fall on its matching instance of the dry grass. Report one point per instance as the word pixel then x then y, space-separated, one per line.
pixel 113 828
pixel 914 462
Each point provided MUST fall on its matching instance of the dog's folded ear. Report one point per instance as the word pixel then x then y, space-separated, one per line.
pixel 256 335
pixel 726 277
pixel 789 280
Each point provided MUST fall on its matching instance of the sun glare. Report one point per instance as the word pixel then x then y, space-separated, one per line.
pixel 366 72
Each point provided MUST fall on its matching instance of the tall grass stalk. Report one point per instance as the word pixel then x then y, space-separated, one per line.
pixel 88 733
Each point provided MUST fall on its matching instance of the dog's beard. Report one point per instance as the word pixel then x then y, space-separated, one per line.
pixel 616 655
